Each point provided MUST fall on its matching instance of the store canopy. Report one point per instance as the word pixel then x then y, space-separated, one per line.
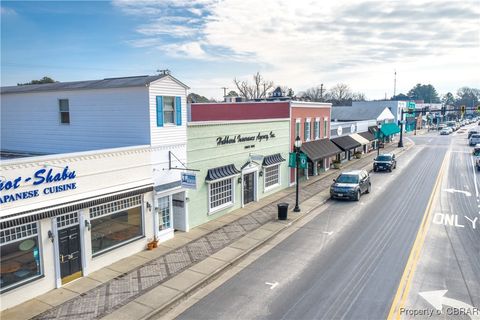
pixel 367 135
pixel 388 129
pixel 359 139
pixel 221 172
pixel 319 149
pixel 272 159
pixel 346 143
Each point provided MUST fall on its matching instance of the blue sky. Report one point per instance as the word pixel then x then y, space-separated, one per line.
pixel 207 43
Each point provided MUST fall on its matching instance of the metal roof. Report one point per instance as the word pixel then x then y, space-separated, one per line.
pixel 358 112
pixel 346 143
pixel 319 149
pixel 221 172
pixel 272 159
pixel 107 83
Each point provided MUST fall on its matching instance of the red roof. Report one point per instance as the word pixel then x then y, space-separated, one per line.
pixel 239 111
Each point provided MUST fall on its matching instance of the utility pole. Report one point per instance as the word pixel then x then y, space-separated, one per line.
pixel 265 91
pixel 321 92
pixel 395 84
pixel 224 93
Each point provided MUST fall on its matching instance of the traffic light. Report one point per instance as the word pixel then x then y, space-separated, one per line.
pixel 444 108
pixel 478 108
pixel 462 108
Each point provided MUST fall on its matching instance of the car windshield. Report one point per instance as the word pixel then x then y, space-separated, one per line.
pixel 347 178
pixel 476 136
pixel 384 158
pixel 476 153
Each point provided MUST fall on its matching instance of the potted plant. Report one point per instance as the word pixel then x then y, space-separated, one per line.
pixel 358 154
pixel 152 244
pixel 336 164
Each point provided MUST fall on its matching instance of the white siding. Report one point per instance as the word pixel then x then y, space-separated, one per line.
pixel 168 134
pixel 102 118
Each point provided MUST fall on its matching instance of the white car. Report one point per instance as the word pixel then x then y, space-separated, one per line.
pixel 445 131
pixel 474 139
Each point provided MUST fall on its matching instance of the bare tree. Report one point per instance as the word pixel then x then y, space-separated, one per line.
pixel 340 92
pixel 359 96
pixel 315 93
pixel 257 90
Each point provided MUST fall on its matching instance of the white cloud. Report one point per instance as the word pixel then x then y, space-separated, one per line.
pixel 7 11
pixel 303 43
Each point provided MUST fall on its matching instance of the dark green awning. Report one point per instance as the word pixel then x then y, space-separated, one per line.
pixel 388 129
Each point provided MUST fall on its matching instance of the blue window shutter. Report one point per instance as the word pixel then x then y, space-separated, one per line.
pixel 178 110
pixel 159 111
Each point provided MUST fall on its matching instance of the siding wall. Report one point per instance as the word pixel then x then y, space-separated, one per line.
pixel 105 118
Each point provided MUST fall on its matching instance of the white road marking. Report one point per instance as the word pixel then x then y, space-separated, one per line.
pixel 437 299
pixel 272 285
pixel 447 220
pixel 474 178
pixel 468 194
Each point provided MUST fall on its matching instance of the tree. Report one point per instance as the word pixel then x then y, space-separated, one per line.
pixel 41 81
pixel 257 90
pixel 359 96
pixel 196 98
pixel 467 96
pixel 448 99
pixel 400 97
pixel 339 95
pixel 232 93
pixel 315 93
pixel 425 92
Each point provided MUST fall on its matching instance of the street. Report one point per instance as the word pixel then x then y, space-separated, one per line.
pixel 348 261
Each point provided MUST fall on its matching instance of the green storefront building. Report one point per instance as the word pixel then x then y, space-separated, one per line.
pixel 238 163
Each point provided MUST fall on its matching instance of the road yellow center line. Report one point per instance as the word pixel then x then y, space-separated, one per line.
pixel 407 277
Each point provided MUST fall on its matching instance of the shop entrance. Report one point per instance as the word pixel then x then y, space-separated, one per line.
pixel 69 253
pixel 248 187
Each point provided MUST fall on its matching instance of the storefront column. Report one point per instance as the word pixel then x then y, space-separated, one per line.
pixel 315 168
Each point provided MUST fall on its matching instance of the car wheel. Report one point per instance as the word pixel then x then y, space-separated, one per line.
pixel 369 188
pixel 357 198
pixel 374 169
pixel 390 169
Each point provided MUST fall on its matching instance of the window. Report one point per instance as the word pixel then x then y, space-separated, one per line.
pixel 307 131
pixel 115 223
pixel 297 129
pixel 272 176
pixel 325 127
pixel 64 111
pixel 169 110
pixel 20 255
pixel 164 217
pixel 221 194
pixel 317 129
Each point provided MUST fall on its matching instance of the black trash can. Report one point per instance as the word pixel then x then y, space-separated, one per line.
pixel 282 211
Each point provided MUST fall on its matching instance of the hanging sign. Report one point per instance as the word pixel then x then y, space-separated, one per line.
pixel 189 180
pixel 292 160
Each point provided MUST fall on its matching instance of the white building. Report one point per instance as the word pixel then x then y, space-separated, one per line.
pixel 90 174
pixel 394 106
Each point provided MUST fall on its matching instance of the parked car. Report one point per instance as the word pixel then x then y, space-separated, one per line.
pixel 445 131
pixel 385 161
pixel 351 185
pixel 476 154
pixel 441 126
pixel 474 139
pixel 472 132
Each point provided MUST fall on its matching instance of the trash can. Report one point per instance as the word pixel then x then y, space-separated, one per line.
pixel 282 211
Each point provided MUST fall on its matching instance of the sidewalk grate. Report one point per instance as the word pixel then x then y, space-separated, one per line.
pixel 119 291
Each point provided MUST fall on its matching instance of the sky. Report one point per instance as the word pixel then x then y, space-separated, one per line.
pixel 207 43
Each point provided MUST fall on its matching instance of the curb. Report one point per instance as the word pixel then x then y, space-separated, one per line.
pixel 210 278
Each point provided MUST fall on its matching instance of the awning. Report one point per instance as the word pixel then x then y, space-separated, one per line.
pixel 346 143
pixel 221 172
pixel 272 159
pixel 388 129
pixel 359 139
pixel 319 149
pixel 367 135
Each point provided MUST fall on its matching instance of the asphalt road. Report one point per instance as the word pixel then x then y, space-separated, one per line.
pixel 448 271
pixel 344 263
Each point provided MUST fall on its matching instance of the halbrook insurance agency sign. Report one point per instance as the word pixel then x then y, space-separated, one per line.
pixel 239 138
pixel 41 183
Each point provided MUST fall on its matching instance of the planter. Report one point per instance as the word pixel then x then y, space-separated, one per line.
pixel 150 246
pixel 358 155
pixel 337 165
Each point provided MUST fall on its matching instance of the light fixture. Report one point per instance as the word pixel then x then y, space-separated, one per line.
pixel 149 206
pixel 260 173
pixel 88 225
pixel 298 142
pixel 239 180
pixel 50 235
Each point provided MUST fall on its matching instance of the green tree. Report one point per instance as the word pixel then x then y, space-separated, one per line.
pixel 425 92
pixel 232 93
pixel 467 96
pixel 196 98
pixel 448 99
pixel 400 97
pixel 41 81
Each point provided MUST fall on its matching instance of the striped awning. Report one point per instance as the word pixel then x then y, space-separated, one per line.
pixel 221 172
pixel 272 159
pixel 359 139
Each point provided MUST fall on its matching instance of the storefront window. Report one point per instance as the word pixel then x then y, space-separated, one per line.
pixel 20 255
pixel 307 131
pixel 221 193
pixel 112 227
pixel 164 217
pixel 317 129
pixel 297 129
pixel 272 177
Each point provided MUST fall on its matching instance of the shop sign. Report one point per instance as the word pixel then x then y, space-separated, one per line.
pixel 40 179
pixel 189 180
pixel 292 160
pixel 239 138
pixel 339 131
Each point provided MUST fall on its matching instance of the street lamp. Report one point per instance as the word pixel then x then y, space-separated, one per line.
pixel 378 141
pixel 298 144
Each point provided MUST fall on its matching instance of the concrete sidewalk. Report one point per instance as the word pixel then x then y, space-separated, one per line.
pixel 150 282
